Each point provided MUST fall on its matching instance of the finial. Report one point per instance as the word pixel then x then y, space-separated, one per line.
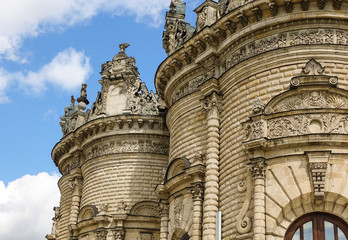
pixel 123 47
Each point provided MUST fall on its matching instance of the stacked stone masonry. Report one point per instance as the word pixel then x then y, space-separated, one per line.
pixel 249 123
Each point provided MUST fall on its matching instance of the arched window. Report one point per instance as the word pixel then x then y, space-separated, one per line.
pixel 317 226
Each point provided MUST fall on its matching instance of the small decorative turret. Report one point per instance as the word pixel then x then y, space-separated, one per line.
pixel 122 90
pixel 74 115
pixel 177 29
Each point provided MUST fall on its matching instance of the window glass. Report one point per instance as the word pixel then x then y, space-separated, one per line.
pixel 308 231
pixel 340 234
pixel 297 235
pixel 329 231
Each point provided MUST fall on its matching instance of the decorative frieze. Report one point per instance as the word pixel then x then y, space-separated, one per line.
pixel 308 124
pixel 128 146
pixel 286 39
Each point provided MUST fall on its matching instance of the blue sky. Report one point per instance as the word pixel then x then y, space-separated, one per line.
pixel 47 49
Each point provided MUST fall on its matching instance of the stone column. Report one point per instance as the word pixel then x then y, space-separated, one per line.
pixel 76 188
pixel 197 197
pixel 211 193
pixel 164 207
pixel 258 171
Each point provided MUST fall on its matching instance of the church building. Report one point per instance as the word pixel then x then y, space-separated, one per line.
pixel 246 136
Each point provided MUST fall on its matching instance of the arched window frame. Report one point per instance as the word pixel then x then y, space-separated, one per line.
pixel 317 219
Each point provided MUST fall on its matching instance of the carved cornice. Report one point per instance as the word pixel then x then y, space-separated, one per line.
pixel 234 22
pixel 71 143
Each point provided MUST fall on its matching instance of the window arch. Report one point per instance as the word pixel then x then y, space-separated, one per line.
pixel 317 226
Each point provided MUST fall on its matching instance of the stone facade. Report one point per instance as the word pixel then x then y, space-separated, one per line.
pixel 256 103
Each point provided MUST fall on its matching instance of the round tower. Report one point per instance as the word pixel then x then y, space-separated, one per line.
pixel 111 157
pixel 257 97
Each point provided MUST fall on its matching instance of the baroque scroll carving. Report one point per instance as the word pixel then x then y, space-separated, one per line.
pixel 243 221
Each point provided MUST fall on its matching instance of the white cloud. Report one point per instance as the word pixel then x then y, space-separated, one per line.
pixel 22 19
pixel 68 70
pixel 26 207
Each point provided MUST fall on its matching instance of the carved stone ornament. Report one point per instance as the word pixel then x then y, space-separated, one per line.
pixel 212 105
pixel 313 68
pixel 178 206
pixel 119 234
pixel 317 167
pixel 178 30
pixel 243 221
pixel 101 235
pixel 103 209
pixel 146 236
pixel 247 49
pixel 197 191
pixel 257 168
pixel 128 146
pixel 121 207
pixel 76 186
pixel 74 115
pixel 258 106
pixel 146 208
pixel 164 209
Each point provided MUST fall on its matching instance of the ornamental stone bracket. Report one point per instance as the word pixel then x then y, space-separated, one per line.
pixel 317 167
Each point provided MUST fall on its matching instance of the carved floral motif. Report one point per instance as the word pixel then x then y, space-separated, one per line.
pixel 307 124
pixel 101 235
pixel 128 146
pixel 119 234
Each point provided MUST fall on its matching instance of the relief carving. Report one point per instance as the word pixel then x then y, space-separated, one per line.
pixel 308 99
pixel 177 212
pixel 101 235
pixel 307 124
pixel 119 234
pixel 146 236
pixel 317 166
pixel 243 221
pixel 128 146
pixel 146 209
pixel 291 38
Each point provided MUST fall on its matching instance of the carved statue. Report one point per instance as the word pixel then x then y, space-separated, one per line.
pixel 123 47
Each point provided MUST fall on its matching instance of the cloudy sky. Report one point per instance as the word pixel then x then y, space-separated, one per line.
pixel 47 49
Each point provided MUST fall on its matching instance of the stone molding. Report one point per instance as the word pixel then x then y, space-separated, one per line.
pixel 235 22
pixel 101 127
pixel 128 146
pixel 276 41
